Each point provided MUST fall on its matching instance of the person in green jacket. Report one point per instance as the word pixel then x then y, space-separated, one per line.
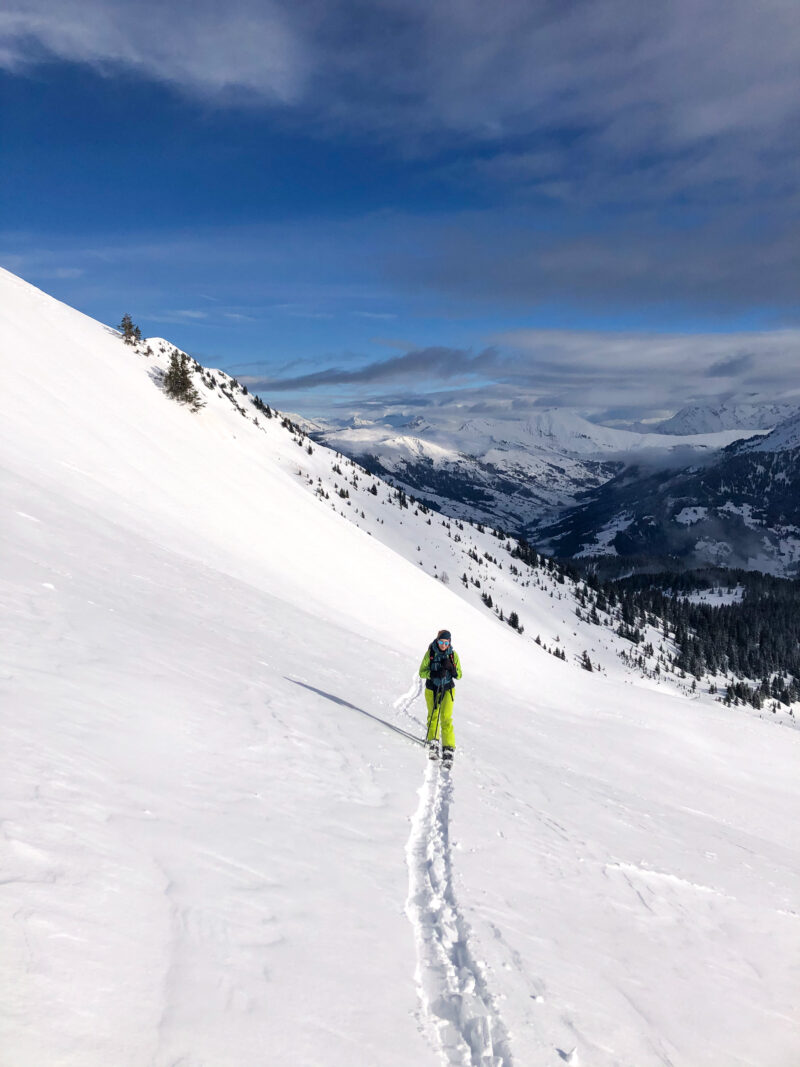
pixel 440 668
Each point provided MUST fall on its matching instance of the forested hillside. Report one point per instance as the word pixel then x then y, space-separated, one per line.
pixel 738 627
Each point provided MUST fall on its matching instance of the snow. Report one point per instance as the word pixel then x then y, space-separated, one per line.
pixel 219 850
pixel 747 414
pixel 457 1006
pixel 788 554
pixel 745 511
pixel 603 538
pixel 715 597
pixel 714 552
pixel 553 431
pixel 785 436
pixel 517 474
pixel 690 516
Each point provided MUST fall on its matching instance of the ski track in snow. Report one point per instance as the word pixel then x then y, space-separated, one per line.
pixel 457 1010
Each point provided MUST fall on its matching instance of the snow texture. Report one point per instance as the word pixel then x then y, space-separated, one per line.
pixel 457 1007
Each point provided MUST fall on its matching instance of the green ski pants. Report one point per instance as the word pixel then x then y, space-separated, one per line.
pixel 441 719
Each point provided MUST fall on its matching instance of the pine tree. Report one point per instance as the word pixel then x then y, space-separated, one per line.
pixel 128 330
pixel 178 380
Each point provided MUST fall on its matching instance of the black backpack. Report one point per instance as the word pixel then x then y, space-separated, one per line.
pixel 442 668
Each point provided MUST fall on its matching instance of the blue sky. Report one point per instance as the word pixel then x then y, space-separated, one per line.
pixel 353 204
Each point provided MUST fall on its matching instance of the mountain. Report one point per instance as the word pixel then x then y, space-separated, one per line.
pixel 517 475
pixel 734 415
pixel 784 438
pixel 221 843
pixel 740 510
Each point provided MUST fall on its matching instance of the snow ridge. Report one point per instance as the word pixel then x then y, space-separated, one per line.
pixel 457 1009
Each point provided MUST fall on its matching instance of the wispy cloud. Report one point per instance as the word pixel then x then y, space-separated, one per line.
pixel 734 366
pixel 594 369
pixel 626 154
pixel 200 47
pixel 702 91
pixel 611 376
pixel 430 364
pixel 623 376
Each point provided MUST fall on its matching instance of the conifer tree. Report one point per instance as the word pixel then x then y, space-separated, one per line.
pixel 178 380
pixel 128 330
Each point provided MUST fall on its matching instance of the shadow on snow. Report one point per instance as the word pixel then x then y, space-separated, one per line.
pixel 353 707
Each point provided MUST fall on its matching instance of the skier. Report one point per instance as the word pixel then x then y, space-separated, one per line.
pixel 440 667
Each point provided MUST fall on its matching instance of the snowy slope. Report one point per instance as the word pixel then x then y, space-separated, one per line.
pixel 219 848
pixel 784 437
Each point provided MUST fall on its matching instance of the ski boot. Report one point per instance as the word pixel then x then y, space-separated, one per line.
pixel 433 748
pixel 447 756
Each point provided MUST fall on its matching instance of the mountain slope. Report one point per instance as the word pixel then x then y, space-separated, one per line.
pixel 742 415
pixel 516 474
pixel 479 479
pixel 216 841
pixel 741 510
pixel 783 438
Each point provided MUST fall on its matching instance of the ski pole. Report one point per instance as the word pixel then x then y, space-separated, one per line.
pixel 437 707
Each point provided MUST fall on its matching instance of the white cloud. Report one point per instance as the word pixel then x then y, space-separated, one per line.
pixel 202 47
pixel 604 375
pixel 654 78
pixel 647 374
pixel 624 104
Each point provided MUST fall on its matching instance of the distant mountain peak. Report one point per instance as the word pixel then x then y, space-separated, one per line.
pixel 752 413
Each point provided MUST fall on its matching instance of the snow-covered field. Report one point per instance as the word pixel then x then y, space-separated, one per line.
pixel 715 597
pixel 220 845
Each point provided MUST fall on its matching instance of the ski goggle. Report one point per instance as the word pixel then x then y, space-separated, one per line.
pixel 443 642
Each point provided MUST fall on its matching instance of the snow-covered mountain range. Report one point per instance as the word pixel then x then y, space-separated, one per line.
pixel 740 510
pixel 222 844
pixel 520 475
pixel 579 489
pixel 748 415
